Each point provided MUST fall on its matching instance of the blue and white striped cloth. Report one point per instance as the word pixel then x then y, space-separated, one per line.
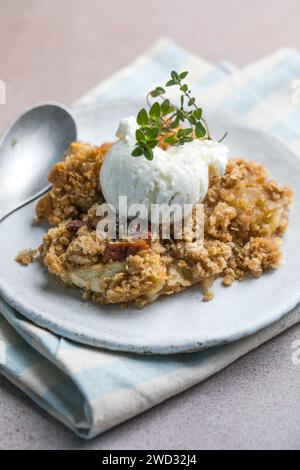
pixel 91 390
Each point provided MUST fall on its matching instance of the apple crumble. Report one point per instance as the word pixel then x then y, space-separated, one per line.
pixel 245 215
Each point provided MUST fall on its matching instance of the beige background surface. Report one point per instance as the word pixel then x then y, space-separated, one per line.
pixel 57 49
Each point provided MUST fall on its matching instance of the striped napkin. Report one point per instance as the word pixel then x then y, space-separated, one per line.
pixel 91 390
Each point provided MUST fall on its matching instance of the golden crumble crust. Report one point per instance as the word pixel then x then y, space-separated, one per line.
pixel 25 257
pixel 245 216
pixel 75 184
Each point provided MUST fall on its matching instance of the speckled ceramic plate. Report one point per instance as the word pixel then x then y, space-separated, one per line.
pixel 178 323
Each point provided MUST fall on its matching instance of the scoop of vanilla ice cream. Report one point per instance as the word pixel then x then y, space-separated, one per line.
pixel 178 175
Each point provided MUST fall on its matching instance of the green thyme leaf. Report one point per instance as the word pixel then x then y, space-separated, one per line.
pixel 175 123
pixel 140 137
pixel 157 92
pixel 152 143
pixel 171 83
pixel 192 120
pixel 170 140
pixel 137 152
pixel 165 107
pixel 155 110
pixel 152 133
pixel 182 75
pixel 148 152
pixel 142 118
pixel 181 115
pixel 200 130
pixel 198 113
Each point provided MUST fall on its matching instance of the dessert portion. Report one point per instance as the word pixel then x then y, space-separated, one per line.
pixel 157 160
pixel 245 216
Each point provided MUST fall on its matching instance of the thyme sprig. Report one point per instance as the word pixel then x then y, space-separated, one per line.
pixel 163 122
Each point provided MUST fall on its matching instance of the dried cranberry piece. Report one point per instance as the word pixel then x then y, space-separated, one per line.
pixel 119 251
pixel 75 225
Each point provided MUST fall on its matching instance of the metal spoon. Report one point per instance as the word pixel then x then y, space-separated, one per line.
pixel 28 149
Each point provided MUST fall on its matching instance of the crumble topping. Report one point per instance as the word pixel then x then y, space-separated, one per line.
pixel 245 216
pixel 75 184
pixel 25 257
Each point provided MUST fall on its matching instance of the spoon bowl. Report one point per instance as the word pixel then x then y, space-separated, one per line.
pixel 28 149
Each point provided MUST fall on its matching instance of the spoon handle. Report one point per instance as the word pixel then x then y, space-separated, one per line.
pixel 7 208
